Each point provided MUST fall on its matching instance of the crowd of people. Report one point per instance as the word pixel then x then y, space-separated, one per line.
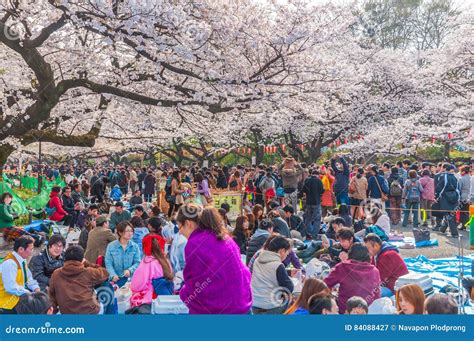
pixel 310 239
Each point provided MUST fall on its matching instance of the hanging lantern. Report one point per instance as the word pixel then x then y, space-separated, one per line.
pixel 338 142
pixel 433 139
pixel 249 150
pixel 283 147
pixel 274 149
pixel 345 141
pixel 450 136
pixel 302 147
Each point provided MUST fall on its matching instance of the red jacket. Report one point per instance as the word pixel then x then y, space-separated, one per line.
pixel 390 265
pixel 55 201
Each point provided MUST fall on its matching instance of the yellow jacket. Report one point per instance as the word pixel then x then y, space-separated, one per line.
pixel 9 301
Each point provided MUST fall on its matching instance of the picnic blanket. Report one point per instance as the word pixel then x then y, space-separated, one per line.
pixel 443 271
pixel 409 243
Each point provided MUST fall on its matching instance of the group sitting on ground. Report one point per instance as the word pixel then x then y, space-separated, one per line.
pixel 262 263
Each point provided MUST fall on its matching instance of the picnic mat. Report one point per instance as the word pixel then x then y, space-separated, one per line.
pixel 443 271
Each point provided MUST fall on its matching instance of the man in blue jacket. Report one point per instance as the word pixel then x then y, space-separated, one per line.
pixel 341 185
pixel 376 186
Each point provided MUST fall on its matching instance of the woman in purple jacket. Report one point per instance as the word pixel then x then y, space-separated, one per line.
pixel 356 277
pixel 216 281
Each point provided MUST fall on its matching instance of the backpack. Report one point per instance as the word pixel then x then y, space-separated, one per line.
pixel 49 210
pixel 395 189
pixel 413 193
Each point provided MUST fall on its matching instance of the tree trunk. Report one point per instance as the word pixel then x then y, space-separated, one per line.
pixel 5 151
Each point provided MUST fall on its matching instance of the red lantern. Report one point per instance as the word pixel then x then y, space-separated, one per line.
pixel 302 147
pixel 433 139
pixel 249 150
pixel 274 149
pixel 450 136
pixel 338 142
pixel 283 147
pixel 345 141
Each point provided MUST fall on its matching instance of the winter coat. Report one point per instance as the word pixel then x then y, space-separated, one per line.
pixel 280 226
pixel 342 177
pixel 6 216
pixel 361 187
pixel 97 241
pixel 291 176
pixel 149 184
pixel 71 288
pixel 313 188
pixel 268 276
pixel 428 185
pixel 390 265
pixel 373 188
pixel 355 279
pixel 42 267
pixel 255 243
pixel 206 272
pixel 55 201
pixel 141 284
pixel 447 192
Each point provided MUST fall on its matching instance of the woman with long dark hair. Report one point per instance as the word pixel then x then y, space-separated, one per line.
pixel 176 199
pixel 241 233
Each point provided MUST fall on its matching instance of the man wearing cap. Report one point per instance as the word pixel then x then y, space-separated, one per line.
pixel 119 215
pixel 99 237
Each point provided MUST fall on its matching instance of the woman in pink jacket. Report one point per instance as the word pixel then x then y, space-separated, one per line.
pixel 427 196
pixel 153 266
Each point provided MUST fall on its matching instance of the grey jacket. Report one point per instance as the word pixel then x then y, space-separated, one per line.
pixel 264 280
pixel 465 187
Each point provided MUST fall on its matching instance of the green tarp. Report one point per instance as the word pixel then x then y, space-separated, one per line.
pixel 37 202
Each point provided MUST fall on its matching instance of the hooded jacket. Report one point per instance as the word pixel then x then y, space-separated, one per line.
pixel 342 177
pixel 355 279
pixel 268 275
pixel 390 265
pixel 71 288
pixel 55 201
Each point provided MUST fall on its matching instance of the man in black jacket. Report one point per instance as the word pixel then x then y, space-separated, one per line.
pixel 51 258
pixel 313 189
pixel 265 229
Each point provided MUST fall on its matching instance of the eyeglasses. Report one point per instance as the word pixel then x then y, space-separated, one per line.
pixel 128 230
pixel 58 246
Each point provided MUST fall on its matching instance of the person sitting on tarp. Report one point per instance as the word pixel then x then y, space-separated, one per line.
pixel 55 204
pixel 308 251
pixel 356 277
pixel 119 215
pixel 15 277
pixel 80 297
pixel 387 260
pixel 338 251
pixel 136 199
pixel 154 268
pixel 7 214
pixel 139 211
pixel 51 258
